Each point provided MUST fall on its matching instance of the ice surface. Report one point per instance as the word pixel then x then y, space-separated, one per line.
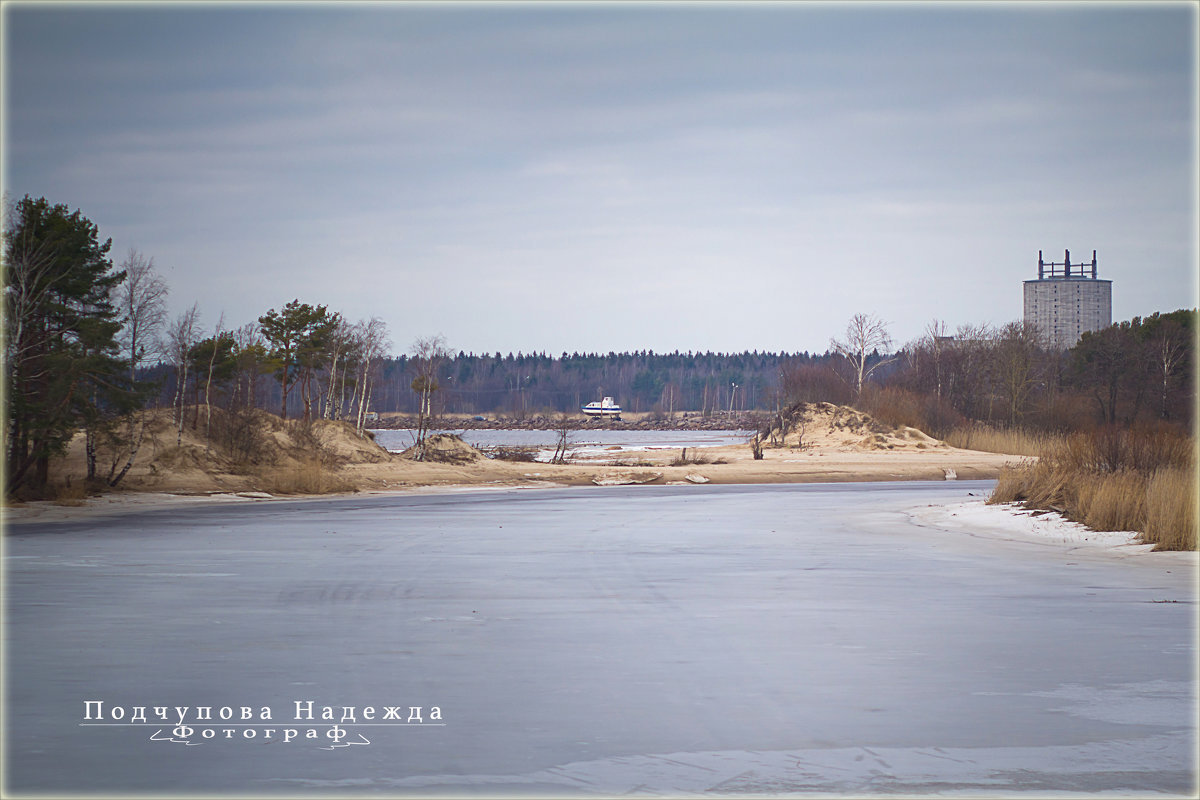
pixel 804 639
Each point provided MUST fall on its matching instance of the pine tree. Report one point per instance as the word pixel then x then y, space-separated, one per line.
pixel 298 336
pixel 62 369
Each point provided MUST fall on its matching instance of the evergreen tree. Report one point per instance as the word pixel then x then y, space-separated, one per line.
pixel 62 368
pixel 298 336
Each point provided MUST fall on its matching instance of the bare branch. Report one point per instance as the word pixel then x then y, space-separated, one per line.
pixel 142 302
pixel 865 334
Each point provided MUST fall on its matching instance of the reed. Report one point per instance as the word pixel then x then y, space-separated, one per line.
pixel 1113 502
pixel 1010 441
pixel 1171 509
pixel 1113 480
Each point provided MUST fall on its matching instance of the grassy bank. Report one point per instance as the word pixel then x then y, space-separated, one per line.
pixel 1113 480
pixel 1010 441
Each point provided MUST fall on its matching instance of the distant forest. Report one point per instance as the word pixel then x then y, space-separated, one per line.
pixel 521 384
pixel 89 345
pixel 1141 369
pixel 525 384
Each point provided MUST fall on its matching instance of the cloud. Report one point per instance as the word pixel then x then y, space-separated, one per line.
pixel 656 173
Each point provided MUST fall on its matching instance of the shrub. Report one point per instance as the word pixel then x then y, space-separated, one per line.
pixel 240 432
pixel 513 453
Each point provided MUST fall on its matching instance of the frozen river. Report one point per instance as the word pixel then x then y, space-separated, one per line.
pixel 644 641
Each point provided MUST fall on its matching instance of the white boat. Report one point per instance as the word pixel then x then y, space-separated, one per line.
pixel 602 408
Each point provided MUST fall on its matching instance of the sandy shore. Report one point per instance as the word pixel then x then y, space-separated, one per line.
pixel 778 465
pixel 821 463
pixel 828 444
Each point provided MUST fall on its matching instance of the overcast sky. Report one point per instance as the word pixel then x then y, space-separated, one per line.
pixel 595 177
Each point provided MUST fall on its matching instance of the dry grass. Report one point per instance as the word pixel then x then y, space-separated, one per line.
pixel 1171 509
pixel 629 462
pixel 310 477
pixel 1010 485
pixel 1113 502
pixel 68 494
pixel 902 408
pixel 1010 441
pixel 1113 481
pixel 684 460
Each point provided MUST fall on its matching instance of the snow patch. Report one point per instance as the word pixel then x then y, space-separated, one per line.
pixel 1011 521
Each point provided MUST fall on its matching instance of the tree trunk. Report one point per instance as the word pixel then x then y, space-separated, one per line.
pixel 283 384
pixel 41 475
pixel 306 394
pixel 180 382
pixel 136 444
pixel 208 390
pixel 89 447
pixel 366 405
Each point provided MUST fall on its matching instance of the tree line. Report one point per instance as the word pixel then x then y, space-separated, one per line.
pixel 90 346
pixel 1136 372
pixel 524 384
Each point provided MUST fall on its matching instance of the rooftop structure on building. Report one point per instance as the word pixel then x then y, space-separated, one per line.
pixel 1067 300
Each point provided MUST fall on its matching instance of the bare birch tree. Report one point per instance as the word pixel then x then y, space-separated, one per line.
pixel 142 303
pixel 373 343
pixel 182 336
pixel 1167 341
pixel 865 335
pixel 427 355
pixel 340 350
pixel 219 337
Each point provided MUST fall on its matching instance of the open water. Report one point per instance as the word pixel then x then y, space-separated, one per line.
pixel 583 443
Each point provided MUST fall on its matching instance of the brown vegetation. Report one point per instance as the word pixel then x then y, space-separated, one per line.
pixel 443 448
pixel 1012 441
pixel 520 453
pixel 245 450
pixel 1114 480
pixel 309 477
pixel 697 457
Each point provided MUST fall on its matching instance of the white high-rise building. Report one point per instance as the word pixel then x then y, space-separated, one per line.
pixel 1066 300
